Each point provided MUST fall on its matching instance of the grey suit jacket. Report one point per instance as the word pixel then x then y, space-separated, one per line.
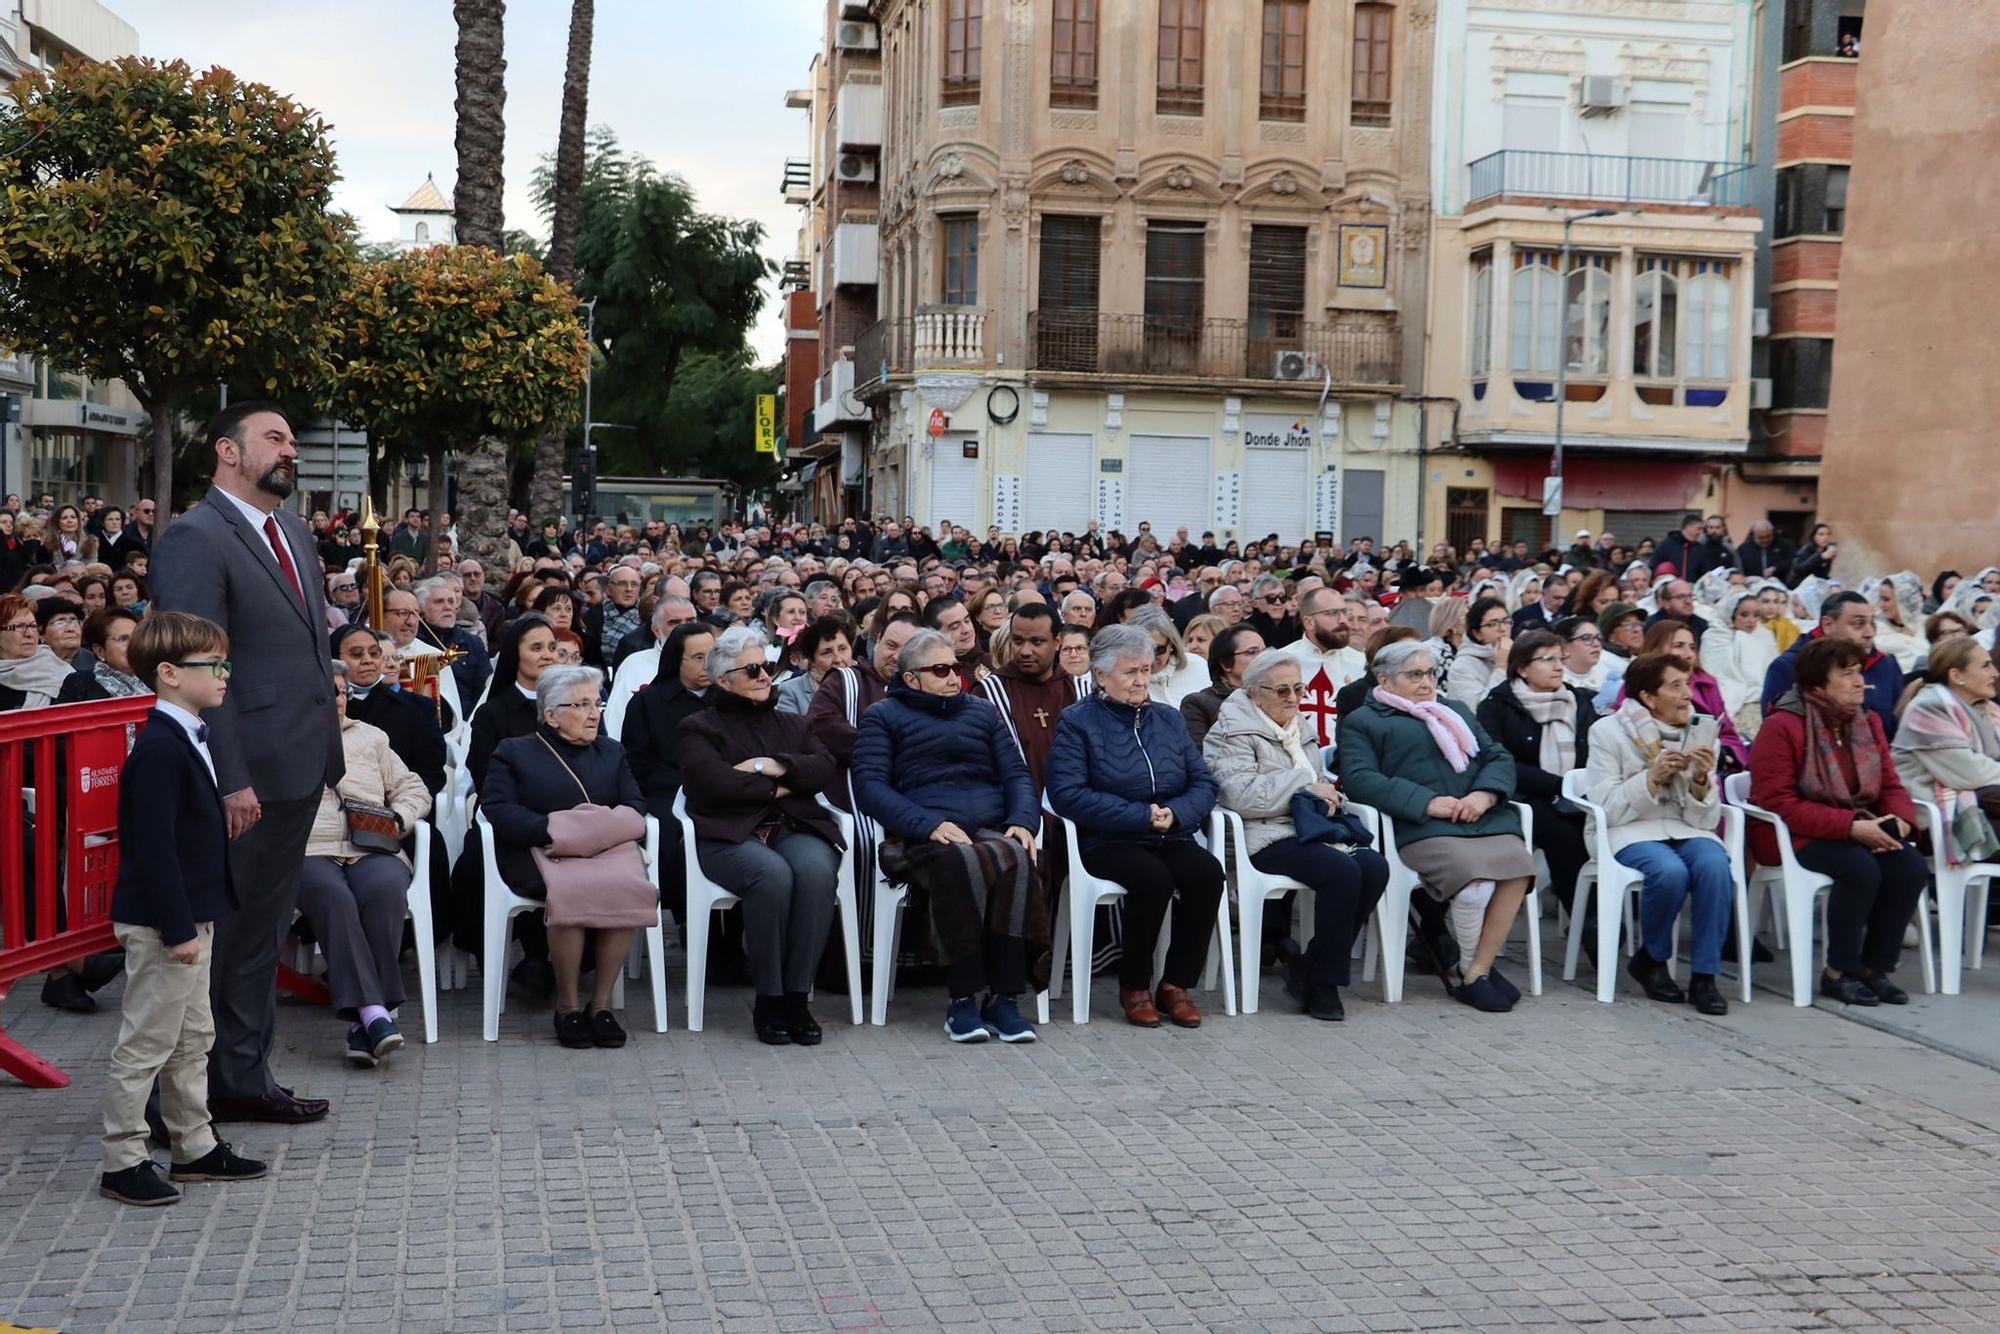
pixel 276 732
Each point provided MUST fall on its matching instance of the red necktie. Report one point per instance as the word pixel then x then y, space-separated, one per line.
pixel 284 556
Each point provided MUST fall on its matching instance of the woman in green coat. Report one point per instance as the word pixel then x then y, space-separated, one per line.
pixel 1428 765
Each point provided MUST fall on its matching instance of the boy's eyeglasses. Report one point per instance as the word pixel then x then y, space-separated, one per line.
pixel 222 667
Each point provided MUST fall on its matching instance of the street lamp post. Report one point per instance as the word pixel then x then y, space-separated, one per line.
pixel 1552 490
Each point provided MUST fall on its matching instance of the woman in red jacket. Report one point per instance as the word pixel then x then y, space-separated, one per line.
pixel 1821 762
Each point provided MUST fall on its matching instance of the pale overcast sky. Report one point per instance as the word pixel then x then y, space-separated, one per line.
pixel 696 85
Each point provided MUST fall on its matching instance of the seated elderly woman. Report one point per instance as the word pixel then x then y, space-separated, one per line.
pixel 1822 764
pixel 1947 747
pixel 1123 769
pixel 1680 640
pixel 353 889
pixel 1263 766
pixel 531 783
pixel 940 770
pixel 750 773
pixel 1429 765
pixel 1662 803
pixel 1545 725
pixel 107 634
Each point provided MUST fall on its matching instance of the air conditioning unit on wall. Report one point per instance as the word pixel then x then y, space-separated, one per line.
pixel 1296 365
pixel 1603 94
pixel 854 35
pixel 854 169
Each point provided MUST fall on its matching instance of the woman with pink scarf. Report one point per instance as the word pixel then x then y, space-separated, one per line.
pixel 1427 764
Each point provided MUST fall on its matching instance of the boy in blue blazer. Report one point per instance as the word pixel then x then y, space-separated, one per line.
pixel 173 882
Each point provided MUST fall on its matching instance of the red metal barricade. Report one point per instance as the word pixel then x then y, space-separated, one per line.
pixel 59 773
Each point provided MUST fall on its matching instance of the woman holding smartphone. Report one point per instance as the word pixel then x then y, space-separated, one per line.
pixel 1822 763
pixel 1652 770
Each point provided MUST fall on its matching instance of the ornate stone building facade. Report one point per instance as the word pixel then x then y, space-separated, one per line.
pixel 1596 238
pixel 1158 262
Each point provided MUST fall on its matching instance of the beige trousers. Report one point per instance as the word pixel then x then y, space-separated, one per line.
pixel 165 1034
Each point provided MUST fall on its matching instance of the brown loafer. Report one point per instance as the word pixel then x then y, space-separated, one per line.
pixel 1178 1006
pixel 1139 1008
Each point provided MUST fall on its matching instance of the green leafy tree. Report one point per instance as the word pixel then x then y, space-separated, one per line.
pixel 171 230
pixel 709 424
pixel 672 285
pixel 457 350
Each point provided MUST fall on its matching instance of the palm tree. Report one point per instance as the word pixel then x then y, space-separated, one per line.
pixel 481 142
pixel 545 487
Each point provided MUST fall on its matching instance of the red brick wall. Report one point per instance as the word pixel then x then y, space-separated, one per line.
pixel 801 365
pixel 1797 435
pixel 1817 137
pixel 1809 311
pixel 1817 83
pixel 1811 260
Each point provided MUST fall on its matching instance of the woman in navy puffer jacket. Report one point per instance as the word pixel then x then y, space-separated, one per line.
pixel 1124 770
pixel 938 769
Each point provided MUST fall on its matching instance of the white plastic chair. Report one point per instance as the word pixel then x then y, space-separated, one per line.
pixel 418 910
pixel 1619 888
pixel 1961 909
pixel 1076 930
pixel 1801 889
pixel 704 897
pixel 1392 914
pixel 503 903
pixel 888 940
pixel 1252 888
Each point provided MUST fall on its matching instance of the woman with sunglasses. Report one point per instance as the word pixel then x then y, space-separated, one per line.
pixel 940 770
pixel 750 773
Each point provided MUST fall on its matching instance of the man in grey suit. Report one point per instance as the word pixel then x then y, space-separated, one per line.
pixel 252 568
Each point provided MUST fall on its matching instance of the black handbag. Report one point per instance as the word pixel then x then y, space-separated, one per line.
pixel 1311 823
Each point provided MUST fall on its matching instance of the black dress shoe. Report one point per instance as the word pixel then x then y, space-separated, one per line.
pixel 65 991
pixel 1703 995
pixel 1481 994
pixel 1326 1005
pixel 1653 978
pixel 280 1107
pixel 1885 991
pixel 799 1018
pixel 767 1016
pixel 1847 989
pixel 220 1163
pixel 605 1030
pixel 140 1184
pixel 573 1029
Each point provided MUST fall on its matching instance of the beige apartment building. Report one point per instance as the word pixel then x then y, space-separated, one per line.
pixel 1156 262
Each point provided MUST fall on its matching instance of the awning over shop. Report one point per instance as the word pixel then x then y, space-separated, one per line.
pixel 1597 483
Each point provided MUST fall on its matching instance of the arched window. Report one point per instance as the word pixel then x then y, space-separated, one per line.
pixel 1535 313
pixel 1587 315
pixel 1482 313
pixel 423 232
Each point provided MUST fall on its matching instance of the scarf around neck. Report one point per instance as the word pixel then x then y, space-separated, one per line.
pixel 1286 736
pixel 1555 710
pixel 38 676
pixel 1829 730
pixel 1447 729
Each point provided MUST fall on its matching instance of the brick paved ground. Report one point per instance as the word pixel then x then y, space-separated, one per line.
pixel 1421 1167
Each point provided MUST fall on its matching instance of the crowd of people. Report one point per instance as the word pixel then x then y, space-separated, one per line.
pixel 961 692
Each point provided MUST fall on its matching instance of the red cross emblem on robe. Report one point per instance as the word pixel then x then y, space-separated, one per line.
pixel 1318 706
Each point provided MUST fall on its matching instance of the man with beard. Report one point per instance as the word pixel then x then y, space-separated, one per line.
pixel 241 561
pixel 1326 656
pixel 1028 689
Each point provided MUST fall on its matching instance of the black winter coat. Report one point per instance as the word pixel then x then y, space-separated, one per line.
pixel 652 736
pixel 506 713
pixel 526 783
pixel 1510 723
pixel 726 803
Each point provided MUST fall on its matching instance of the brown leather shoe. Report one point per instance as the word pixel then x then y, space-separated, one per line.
pixel 1139 1008
pixel 1178 1006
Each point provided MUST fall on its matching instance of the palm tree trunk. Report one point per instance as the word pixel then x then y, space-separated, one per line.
pixel 482 120
pixel 545 485
pixel 476 198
